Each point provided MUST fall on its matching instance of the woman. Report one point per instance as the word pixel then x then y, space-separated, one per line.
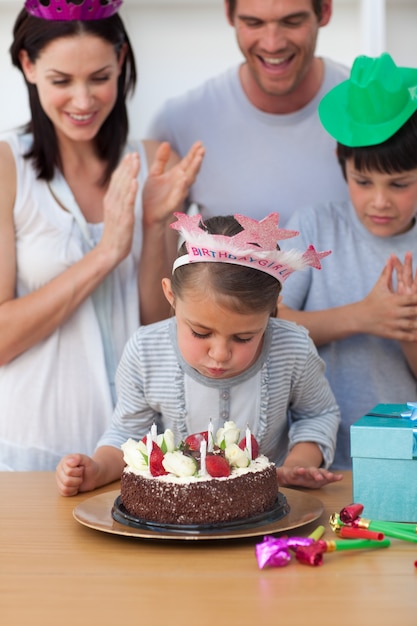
pixel 74 231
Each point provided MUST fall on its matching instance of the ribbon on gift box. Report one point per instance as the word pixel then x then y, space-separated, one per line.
pixel 411 414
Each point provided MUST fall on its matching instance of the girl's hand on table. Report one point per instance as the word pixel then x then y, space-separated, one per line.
pixel 76 473
pixel 308 477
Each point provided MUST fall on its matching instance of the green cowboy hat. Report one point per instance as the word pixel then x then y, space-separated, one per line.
pixel 372 105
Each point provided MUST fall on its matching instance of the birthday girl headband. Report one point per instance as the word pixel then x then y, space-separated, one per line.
pixel 72 10
pixel 255 246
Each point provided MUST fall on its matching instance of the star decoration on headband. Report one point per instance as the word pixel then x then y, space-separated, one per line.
pixel 264 233
pixel 190 223
pixel 312 257
pixel 255 246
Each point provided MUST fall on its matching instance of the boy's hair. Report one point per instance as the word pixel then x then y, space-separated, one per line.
pixel 395 155
pixel 242 289
pixel 317 8
pixel 33 35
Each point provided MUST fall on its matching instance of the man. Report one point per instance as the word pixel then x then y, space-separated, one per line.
pixel 265 146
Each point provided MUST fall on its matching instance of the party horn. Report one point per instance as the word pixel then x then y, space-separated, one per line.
pixel 390 529
pixel 350 515
pixel 352 532
pixel 313 554
pixel 275 551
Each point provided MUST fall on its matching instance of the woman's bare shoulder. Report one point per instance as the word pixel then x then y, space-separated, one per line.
pixel 6 154
pixel 7 175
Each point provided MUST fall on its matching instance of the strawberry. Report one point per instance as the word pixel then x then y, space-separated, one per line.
pixel 255 446
pixel 155 462
pixel 193 441
pixel 217 466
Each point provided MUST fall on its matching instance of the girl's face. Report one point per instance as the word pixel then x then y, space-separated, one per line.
pixel 76 78
pixel 386 204
pixel 214 340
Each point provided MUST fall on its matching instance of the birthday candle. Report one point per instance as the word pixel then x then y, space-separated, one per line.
pixel 149 446
pixel 210 437
pixel 249 442
pixel 203 450
pixel 153 432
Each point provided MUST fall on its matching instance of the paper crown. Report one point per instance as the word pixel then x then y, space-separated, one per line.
pixel 255 246
pixel 372 104
pixel 72 10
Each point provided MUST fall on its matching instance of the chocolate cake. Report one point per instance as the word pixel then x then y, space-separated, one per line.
pixel 167 501
pixel 230 486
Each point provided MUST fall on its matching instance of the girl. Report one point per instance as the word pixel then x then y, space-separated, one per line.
pixel 74 232
pixel 223 357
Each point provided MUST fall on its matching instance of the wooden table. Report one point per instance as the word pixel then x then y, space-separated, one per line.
pixel 56 571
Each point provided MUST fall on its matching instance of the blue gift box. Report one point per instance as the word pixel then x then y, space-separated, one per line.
pixel 384 463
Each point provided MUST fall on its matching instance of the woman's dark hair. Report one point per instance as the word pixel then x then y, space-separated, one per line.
pixel 397 154
pixel 243 289
pixel 33 34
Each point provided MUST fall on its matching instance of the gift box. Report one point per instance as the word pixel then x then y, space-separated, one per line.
pixel 384 463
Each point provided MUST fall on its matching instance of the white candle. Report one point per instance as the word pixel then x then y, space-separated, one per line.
pixel 149 445
pixel 210 437
pixel 249 442
pixel 153 432
pixel 203 450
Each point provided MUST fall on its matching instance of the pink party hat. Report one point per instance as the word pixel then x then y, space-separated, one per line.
pixel 255 246
pixel 72 10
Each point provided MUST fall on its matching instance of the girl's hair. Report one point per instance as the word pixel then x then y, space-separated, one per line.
pixel 241 289
pixel 395 155
pixel 33 34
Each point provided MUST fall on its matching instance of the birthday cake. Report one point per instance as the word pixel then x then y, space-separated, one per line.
pixel 205 479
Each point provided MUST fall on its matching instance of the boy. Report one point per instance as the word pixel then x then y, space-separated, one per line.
pixel 362 312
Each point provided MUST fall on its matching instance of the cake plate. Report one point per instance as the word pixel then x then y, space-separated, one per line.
pixel 96 513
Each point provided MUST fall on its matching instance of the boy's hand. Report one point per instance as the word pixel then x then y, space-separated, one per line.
pixel 388 313
pixel 406 282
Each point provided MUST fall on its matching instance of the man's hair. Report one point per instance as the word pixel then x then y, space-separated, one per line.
pixel 317 8
pixel 395 155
